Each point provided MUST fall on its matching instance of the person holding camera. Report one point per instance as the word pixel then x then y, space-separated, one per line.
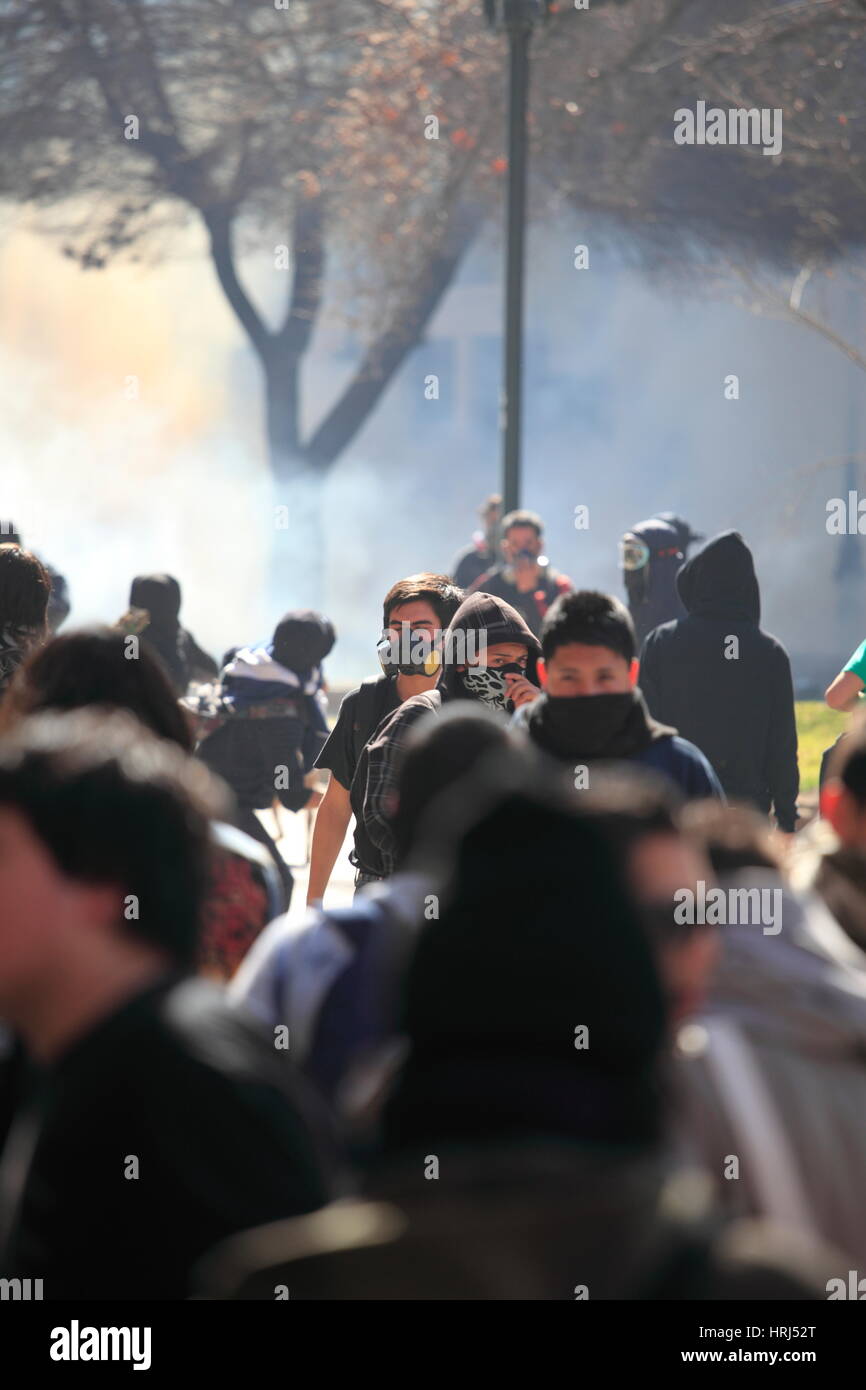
pixel 526 580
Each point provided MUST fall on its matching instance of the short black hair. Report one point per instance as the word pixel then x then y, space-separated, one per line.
pixel 113 804
pixel 302 640
pixel 438 590
pixel 523 518
pixel 591 618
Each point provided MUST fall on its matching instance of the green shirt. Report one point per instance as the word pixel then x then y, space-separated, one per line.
pixel 857 664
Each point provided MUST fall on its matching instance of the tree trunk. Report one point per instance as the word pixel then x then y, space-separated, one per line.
pixel 297 553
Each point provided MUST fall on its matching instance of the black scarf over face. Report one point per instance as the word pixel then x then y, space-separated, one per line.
pixel 583 727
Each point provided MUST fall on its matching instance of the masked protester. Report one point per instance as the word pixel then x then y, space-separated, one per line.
pixel 651 555
pixel 526 579
pixel 592 710
pixel 415 610
pixel 489 655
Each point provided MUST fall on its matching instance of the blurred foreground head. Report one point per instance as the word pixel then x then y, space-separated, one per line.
pixel 533 1005
pixel 103 852
pixel 97 667
pixel 442 749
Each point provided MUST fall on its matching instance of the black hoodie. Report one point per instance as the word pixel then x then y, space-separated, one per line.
pixel 724 683
pixel 374 787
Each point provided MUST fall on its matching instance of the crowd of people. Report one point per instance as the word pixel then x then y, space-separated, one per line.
pixel 593 1025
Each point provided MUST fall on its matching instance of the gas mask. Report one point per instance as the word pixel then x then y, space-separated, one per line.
pixel 634 556
pixel 410 654
pixel 487 684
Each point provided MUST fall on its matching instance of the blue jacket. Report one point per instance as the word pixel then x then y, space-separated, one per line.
pixel 684 764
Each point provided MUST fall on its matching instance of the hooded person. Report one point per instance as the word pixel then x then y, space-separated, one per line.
pixel 158 596
pixel 724 683
pixel 592 710
pixel 488 654
pixel 261 727
pixel 651 555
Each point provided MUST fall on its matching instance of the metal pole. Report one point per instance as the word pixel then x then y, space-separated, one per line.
pixel 519 27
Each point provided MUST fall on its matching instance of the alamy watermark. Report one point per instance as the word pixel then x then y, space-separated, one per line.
pixel 426 651
pixel 738 125
pixel 723 907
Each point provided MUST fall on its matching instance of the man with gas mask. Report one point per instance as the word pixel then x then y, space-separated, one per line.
pixel 416 612
pixel 489 655
pixel 651 553
pixel 526 580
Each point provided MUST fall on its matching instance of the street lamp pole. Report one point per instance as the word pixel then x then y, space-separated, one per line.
pixel 518 23
pixel 516 17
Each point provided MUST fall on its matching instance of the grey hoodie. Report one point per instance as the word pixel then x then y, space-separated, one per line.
pixel 774 1074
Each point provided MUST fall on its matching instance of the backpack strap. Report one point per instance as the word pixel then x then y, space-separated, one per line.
pixel 369 712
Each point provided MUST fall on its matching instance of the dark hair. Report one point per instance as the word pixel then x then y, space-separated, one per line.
pixel 591 618
pixel 733 837
pixel 24 588
pixel 523 518
pixel 93 667
pixel 514 961
pixel 302 640
pixel 114 805
pixel 438 590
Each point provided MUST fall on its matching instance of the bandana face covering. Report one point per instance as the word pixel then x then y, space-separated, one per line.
pixel 595 726
pixel 487 683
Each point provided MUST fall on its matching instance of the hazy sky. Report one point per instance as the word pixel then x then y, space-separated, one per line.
pixel 625 413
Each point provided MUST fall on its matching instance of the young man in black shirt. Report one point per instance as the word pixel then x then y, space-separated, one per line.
pixel 415 609
pixel 154 1120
